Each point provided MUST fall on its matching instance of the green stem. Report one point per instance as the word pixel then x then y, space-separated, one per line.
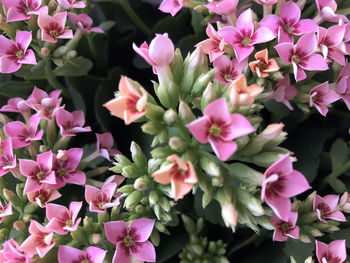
pixel 134 17
pixel 92 46
pixel 243 244
pixel 54 83
pixel 335 174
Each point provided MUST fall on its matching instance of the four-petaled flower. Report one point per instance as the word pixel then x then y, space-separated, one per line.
pixel 284 92
pixel 171 6
pixel 321 96
pixel 12 252
pixel 285 229
pixel 71 123
pixel 52 27
pixel 68 4
pixel 7 159
pixel 334 252
pixel 43 196
pixel 325 207
pixel 105 145
pixel 83 23
pixel 263 65
pixel 5 210
pixel 92 254
pixel 100 200
pixel 19 10
pixel 228 70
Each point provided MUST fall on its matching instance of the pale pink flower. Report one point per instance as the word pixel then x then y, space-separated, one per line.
pixel 326 11
pixel 71 123
pixel 52 27
pixel 243 37
pixel 17 105
pixel 321 96
pixel 344 203
pixel 334 252
pixel 68 4
pixel 288 23
pixel 7 159
pixel 214 46
pixel 285 229
pixel 39 242
pixel 282 182
pixel 5 210
pixel 228 70
pixel 132 241
pixel 100 200
pixel 263 65
pixel 83 23
pixel 105 144
pixel 266 2
pixel 12 253
pixel 325 207
pixel 62 220
pixel 118 179
pixel 92 254
pixel 23 135
pixel 15 53
pixel 302 56
pixel 130 106
pixel 43 196
pixel 342 85
pixel 37 172
pixel 45 104
pixel 171 6
pixel 223 7
pixel 219 127
pixel 284 92
pixel 180 174
pixel 19 10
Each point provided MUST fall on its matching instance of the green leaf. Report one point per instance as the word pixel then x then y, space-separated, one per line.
pixel 343 234
pixel 197 23
pixel 74 67
pixel 300 251
pixel 107 25
pixel 337 185
pixel 339 154
pixel 212 212
pixel 4 79
pixel 31 72
pixel 77 98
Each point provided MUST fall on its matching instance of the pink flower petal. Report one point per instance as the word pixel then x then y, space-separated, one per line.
pixel 282 166
pixel 305 26
pixel 242 52
pixel 307 44
pixel 262 35
pixel 199 129
pixel 8 65
pixel 122 254
pixel 239 126
pixel 143 227
pixel 23 39
pixel 338 248
pixel 245 22
pixel 68 254
pixel 222 149
pixel 29 58
pixel 285 50
pixel 114 230
pixel 161 50
pixel 218 110
pixel 290 12
pixel 272 22
pixel 294 183
pixel 144 252
pixel 97 254
pixel 281 206
pixel 314 62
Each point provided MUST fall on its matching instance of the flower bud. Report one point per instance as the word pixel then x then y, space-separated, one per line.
pixel 130 172
pixel 137 155
pixel 170 116
pixel 344 203
pixel 208 95
pixel 45 52
pixel 197 249
pixel 229 214
pixel 201 82
pixel 13 198
pixel 62 155
pixel 309 260
pixel 304 238
pixel 19 225
pixel 126 189
pixel 122 159
pixel 155 238
pixel 266 159
pixel 95 239
pixel 153 197
pixel 115 213
pixel 168 94
pixel 88 224
pixel 177 144
pixel 60 51
pixel 152 127
pixel 133 199
pixel 177 65
pixel 154 112
pixel 43 148
pixel 140 209
pixel 245 174
pixel 103 217
pixel 186 113
pixel 210 167
pixel 250 202
pixel 189 224
pixel 4 119
pixel 79 235
pixel 142 183
pixel 271 131
pixel 72 54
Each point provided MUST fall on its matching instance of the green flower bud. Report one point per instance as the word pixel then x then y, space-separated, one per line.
pixel 250 202
pixel 4 232
pixel 19 226
pixel 197 249
pixel 168 93
pixel 212 247
pixel 122 159
pixel 245 174
pixel 208 95
pixel 117 168
pixel 115 213
pixel 265 222
pixel 177 144
pixel 140 209
pixel 266 159
pixel 206 199
pixel 154 112
pixel 304 238
pixel 79 235
pixel 60 51
pixel 30 208
pixel 152 127
pixel 137 155
pixel 142 183
pixel 164 204
pixel 103 217
pixel 145 201
pixel 133 199
pixel 88 224
pixel 210 167
pixel 154 197
pixel 13 198
pixel 155 237
pixel 201 82
pixel 186 113
pixel 161 228
pixel 126 189
pixel 199 225
pixel 154 164
pixel 177 66
pixel 19 191
pixel 130 172
pixel 189 224
pixel 170 116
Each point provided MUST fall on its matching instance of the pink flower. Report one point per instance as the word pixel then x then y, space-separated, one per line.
pixel 132 241
pixel 284 92
pixel 23 135
pixel 285 229
pixel 331 43
pixel 321 96
pixel 52 27
pixel 19 10
pixel 326 11
pixel 223 7
pixel 325 208
pixel 282 182
pixel 131 105
pixel 100 200
pixel 5 210
pixel 334 252
pixel 266 2
pixel 39 242
pixel 180 174
pixel 118 179
pixel 71 123
pixel 37 172
pixel 263 65
pixel 243 38
pixel 171 6
pixel 15 53
pixel 342 86
pixel 68 254
pixel 302 56
pixel 105 144
pixel 288 23
pixel 214 46
pixel 228 70
pixel 43 196
pixel 12 253
pixel 62 220
pixel 219 128
pixel 344 203
pixel 65 170
pixel 83 22
pixel 7 159
pixel 68 4
pixel 45 104
pixel 17 105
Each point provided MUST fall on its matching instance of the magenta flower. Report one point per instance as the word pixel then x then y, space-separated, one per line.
pixel 325 208
pixel 71 123
pixel 223 7
pixel 43 196
pixel 334 252
pixel 118 179
pixel 52 27
pixel 62 220
pixel 285 229
pixel 12 253
pixel 321 96
pixel 331 43
pixel 302 56
pixel 100 200
pixel 15 53
pixel 214 46
pixel 19 10
pixel 288 23
pixel 342 86
pixel 132 241
pixel 282 182
pixel 243 37
pixel 92 254
pixel 83 23
pixel 17 105
pixel 38 172
pixel 105 144
pixel 39 242
pixel 45 104
pixel 219 128
pixel 228 70
pixel 23 135
pixel 171 6
pixel 284 92
pixel 7 159
pixel 68 4
pixel 5 210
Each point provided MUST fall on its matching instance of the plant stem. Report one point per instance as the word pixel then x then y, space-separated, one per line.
pixel 243 244
pixel 335 174
pixel 54 83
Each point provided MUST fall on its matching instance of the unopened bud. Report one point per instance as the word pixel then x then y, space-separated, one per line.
pixel 154 112
pixel 60 51
pixel 43 148
pixel 4 119
pixel 177 144
pixel 250 202
pixel 142 183
pixel 139 209
pixel 126 189
pixel 271 131
pixel 170 116
pixel 197 249
pixel 72 54
pixel 344 203
pixel 202 81
pixel 133 199
pixel 229 214
pixel 198 60
pixel 130 172
pixel 309 260
pixel 153 197
pixel 137 155
pixel 62 155
pixel 176 66
pixel 186 113
pixel 13 198
pixel 208 95
pixel 152 127
pixel 304 238
pixel 45 52
pixel 95 239
pixel 19 225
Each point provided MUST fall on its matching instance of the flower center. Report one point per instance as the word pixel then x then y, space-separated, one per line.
pixel 128 241
pixel 41 198
pixel 285 227
pixel 100 205
pixel 1 210
pixel 215 130
pixel 85 261
pixel 246 42
pixel 295 59
pixel 40 175
pixel 62 172
pixel 287 29
pixel 262 65
pixel 69 223
pixel 20 54
pixel 227 76
pixel 54 33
